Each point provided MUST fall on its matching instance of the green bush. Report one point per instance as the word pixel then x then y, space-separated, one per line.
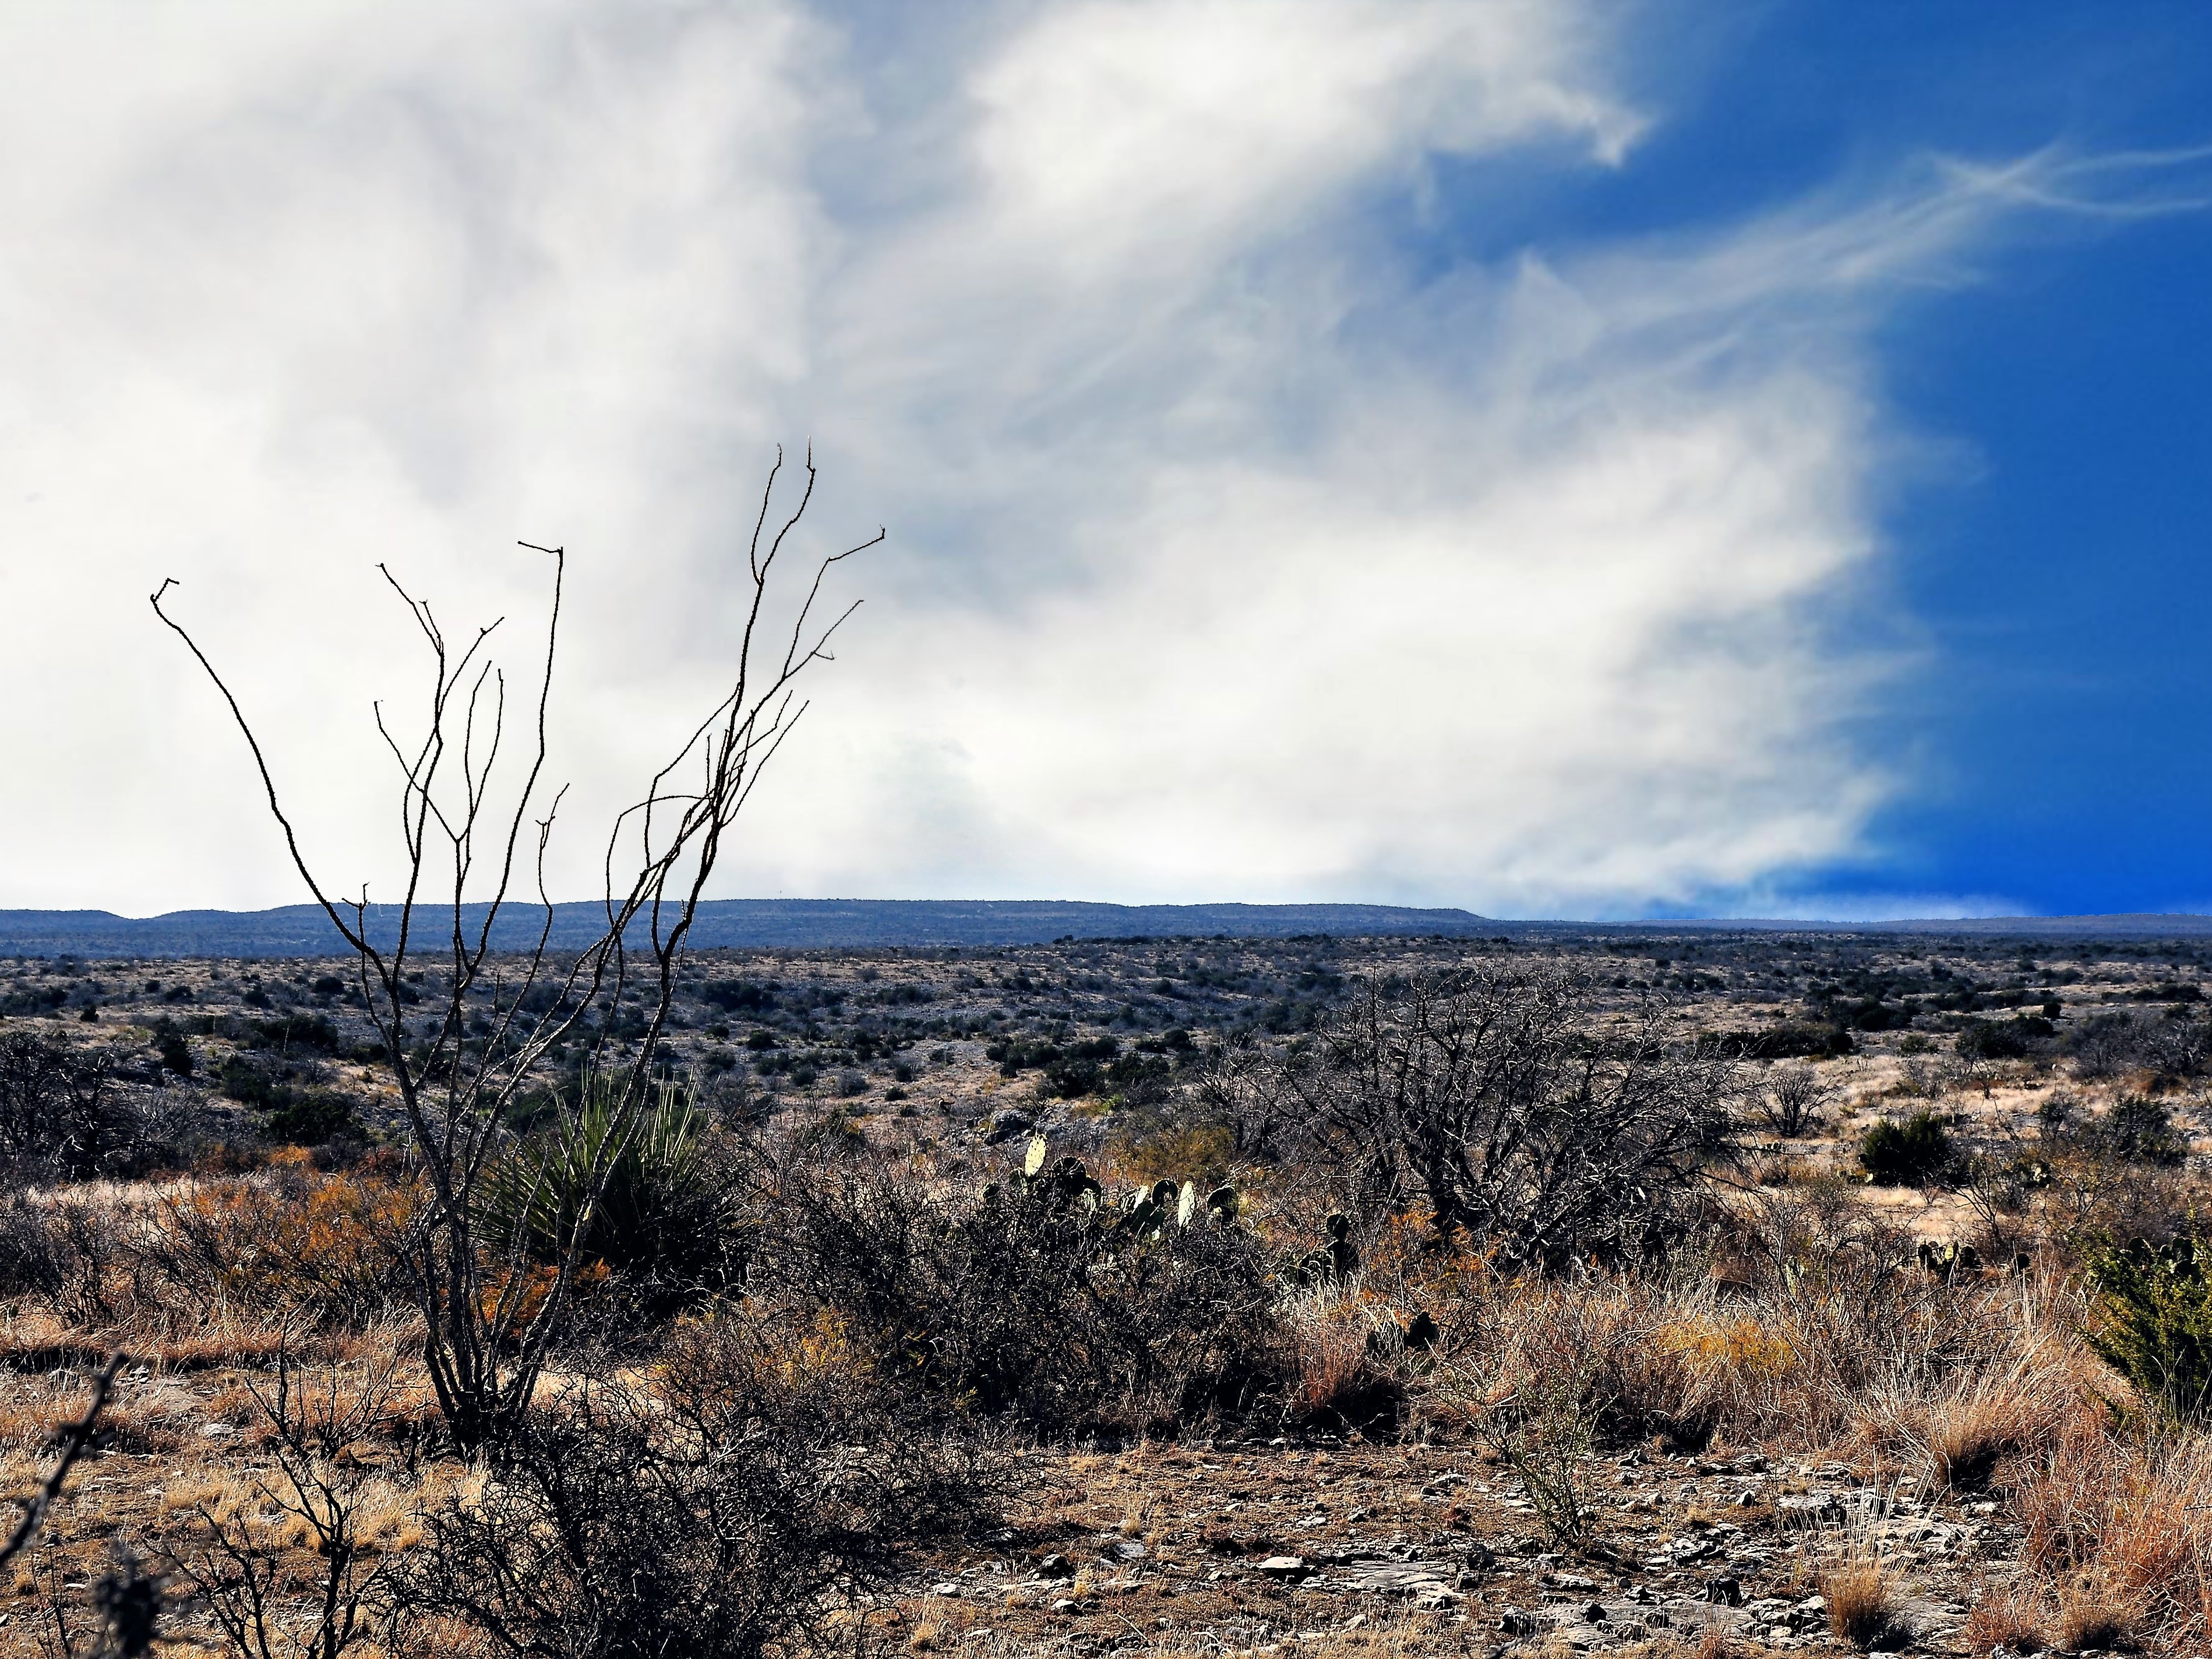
pixel 176 1053
pixel 1908 1154
pixel 313 1117
pixel 2010 1039
pixel 2154 1322
pixel 1788 1041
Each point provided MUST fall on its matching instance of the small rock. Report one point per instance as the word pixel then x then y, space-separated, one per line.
pixel 945 1590
pixel 1812 1503
pixel 1055 1566
pixel 1283 1566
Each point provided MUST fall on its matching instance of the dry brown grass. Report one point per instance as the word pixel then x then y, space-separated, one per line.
pixel 2007 1618
pixel 1336 1377
pixel 2119 1529
pixel 1965 1431
pixel 1808 1346
pixel 1862 1606
pixel 1958 1377
pixel 2088 1619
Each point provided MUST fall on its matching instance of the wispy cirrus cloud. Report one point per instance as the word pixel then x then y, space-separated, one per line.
pixel 1238 550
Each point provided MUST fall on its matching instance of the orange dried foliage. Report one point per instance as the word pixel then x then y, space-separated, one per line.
pixel 511 1300
pixel 259 1247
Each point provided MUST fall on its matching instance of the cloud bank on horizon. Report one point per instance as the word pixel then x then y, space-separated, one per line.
pixel 1262 525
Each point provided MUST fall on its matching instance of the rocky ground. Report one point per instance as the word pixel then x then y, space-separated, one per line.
pixel 1286 1546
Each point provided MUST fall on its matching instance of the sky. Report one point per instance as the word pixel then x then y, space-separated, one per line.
pixel 1603 460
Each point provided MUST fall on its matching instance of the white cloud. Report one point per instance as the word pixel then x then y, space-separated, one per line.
pixel 1229 558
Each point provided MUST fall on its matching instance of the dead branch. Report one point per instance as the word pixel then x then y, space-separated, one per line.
pixel 74 1439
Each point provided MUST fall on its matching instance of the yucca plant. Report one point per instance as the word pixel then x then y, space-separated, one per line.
pixel 666 1222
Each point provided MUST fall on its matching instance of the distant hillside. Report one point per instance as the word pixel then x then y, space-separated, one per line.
pixel 300 930
pixel 2134 925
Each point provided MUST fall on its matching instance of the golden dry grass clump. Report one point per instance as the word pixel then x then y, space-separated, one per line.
pixel 1861 1607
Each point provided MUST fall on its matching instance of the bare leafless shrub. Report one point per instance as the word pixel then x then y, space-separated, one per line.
pixel 288 1242
pixel 62 1250
pixel 59 1106
pixel 1493 1095
pixel 1057 1315
pixel 2109 1045
pixel 1542 1431
pixel 1793 1098
pixel 239 1566
pixel 33 1259
pixel 1237 1088
pixel 771 1475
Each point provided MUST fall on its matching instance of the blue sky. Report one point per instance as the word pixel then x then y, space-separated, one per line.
pixel 2060 575
pixel 2050 561
pixel 1557 458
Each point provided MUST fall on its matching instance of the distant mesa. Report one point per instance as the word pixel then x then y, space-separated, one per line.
pixel 302 930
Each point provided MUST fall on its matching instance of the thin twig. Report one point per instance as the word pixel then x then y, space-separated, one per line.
pixel 75 1438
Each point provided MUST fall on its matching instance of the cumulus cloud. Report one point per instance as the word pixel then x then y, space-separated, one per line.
pixel 1236 550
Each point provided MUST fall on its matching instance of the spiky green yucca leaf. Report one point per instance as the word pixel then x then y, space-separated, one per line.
pixel 663 1212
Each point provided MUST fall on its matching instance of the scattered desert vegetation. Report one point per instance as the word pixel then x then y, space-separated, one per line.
pixel 1662 1292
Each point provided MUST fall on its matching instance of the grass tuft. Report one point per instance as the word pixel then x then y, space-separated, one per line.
pixel 1861 1607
